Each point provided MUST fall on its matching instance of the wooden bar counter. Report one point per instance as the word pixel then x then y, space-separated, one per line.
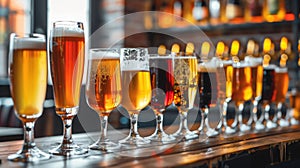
pixel 273 148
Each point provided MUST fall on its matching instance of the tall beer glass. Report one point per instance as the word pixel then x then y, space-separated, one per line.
pixel 185 89
pixel 281 88
pixel 103 90
pixel 67 47
pixel 257 77
pixel 242 92
pixel 28 83
pixel 208 85
pixel 136 89
pixel 162 84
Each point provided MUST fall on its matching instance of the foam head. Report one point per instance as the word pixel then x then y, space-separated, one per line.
pixel 67 32
pixel 104 54
pixel 253 61
pixel 29 43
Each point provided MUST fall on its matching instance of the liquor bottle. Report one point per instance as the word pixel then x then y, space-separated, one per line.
pixel 273 10
pixel 200 12
pixel 253 11
pixel 216 11
pixel 178 10
pixel 165 18
pixel 234 11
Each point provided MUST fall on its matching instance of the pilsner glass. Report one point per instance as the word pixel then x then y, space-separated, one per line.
pixel 162 84
pixel 28 83
pixel 257 77
pixel 185 89
pixel 268 92
pixel 67 46
pixel 136 89
pixel 242 92
pixel 281 88
pixel 103 90
pixel 208 85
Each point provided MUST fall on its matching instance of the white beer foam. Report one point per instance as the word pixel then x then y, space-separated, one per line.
pixel 253 61
pixel 98 54
pixel 241 64
pixel 67 31
pixel 270 67
pixel 281 69
pixel 29 43
pixel 210 65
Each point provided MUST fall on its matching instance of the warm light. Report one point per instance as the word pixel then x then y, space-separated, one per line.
pixel 205 48
pixel 283 43
pixel 235 46
pixel 266 60
pixel 283 59
pixel 162 50
pixel 250 47
pixel 220 48
pixel 189 50
pixel 267 45
pixel 175 48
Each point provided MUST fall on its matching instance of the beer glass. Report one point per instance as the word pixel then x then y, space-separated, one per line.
pixel 208 85
pixel 230 115
pixel 162 84
pixel 256 77
pixel 103 90
pixel 136 89
pixel 67 47
pixel 185 90
pixel 28 83
pixel 268 92
pixel 281 87
pixel 242 92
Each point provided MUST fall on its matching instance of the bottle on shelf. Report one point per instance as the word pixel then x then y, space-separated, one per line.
pixel 165 17
pixel 273 10
pixel 178 10
pixel 200 12
pixel 234 11
pixel 253 11
pixel 215 7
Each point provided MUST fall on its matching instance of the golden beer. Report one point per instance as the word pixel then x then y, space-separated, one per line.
pixel 185 87
pixel 257 76
pixel 241 84
pixel 136 90
pixel 104 85
pixel 67 63
pixel 281 84
pixel 28 75
pixel 295 105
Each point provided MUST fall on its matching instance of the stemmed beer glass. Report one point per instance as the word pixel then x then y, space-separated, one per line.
pixel 162 83
pixel 185 89
pixel 67 47
pixel 28 83
pixel 103 90
pixel 136 89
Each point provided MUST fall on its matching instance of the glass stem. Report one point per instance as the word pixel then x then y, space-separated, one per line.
pixel 68 131
pixel 159 119
pixel 103 127
pixel 185 123
pixel 28 135
pixel 133 125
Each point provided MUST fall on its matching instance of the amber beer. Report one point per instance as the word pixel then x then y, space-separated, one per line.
pixel 136 90
pixel 67 63
pixel 241 83
pixel 103 88
pixel 281 84
pixel 28 75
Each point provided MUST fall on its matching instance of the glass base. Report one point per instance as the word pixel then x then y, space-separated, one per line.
pixel 31 155
pixel 105 145
pixel 229 130
pixel 135 141
pixel 271 125
pixel 245 128
pixel 212 133
pixel 283 123
pixel 189 135
pixel 68 150
pixel 259 126
pixel 164 138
